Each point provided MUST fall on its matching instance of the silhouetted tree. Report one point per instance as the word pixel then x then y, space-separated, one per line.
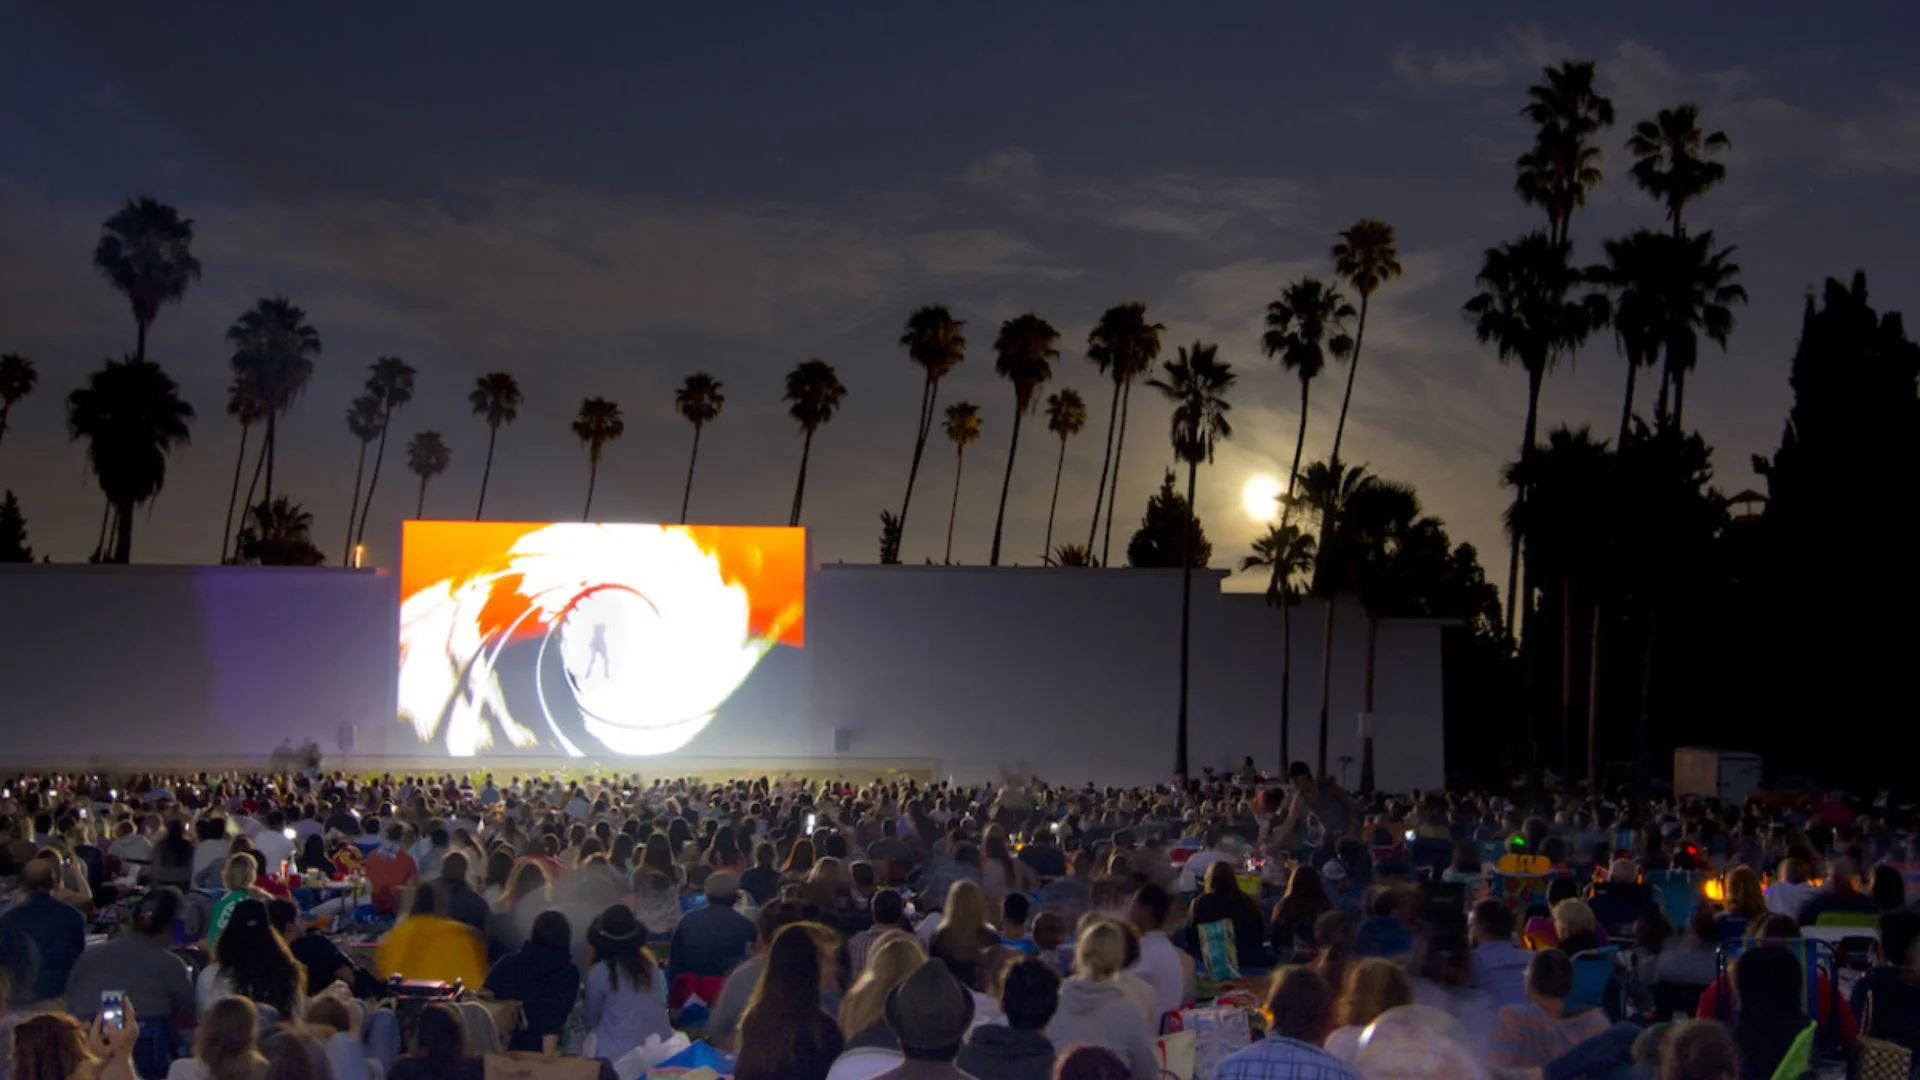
pixel 1156 544
pixel 13 532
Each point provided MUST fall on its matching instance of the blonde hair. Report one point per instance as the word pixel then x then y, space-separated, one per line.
pixel 1101 951
pixel 965 913
pixel 227 1040
pixel 1744 895
pixel 894 957
pixel 1373 986
pixel 1571 918
pixel 238 874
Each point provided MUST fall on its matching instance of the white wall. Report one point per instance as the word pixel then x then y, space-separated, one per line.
pixel 1068 674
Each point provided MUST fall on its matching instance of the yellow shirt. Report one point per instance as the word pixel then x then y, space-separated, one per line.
pixel 428 948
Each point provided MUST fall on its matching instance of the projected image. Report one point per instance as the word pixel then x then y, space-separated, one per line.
pixel 583 639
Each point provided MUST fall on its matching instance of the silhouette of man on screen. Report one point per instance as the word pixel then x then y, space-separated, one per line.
pixel 597 651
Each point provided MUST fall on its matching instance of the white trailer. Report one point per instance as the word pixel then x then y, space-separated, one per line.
pixel 1727 775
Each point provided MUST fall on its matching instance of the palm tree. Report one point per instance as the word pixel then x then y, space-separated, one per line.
pixel 1380 517
pixel 933 341
pixel 814 393
pixel 1563 164
pixel 1701 302
pixel 699 401
pixel 244 405
pixel 1366 259
pixel 366 424
pixel 146 252
pixel 1671 161
pixel 1023 355
pixel 131 415
pixel 1524 311
pixel 1066 417
pixel 963 430
pixel 1125 346
pixel 428 456
pixel 597 424
pixel 1286 551
pixel 18 377
pixel 274 350
pixel 496 396
pixel 1306 325
pixel 279 533
pixel 389 382
pixel 1327 488
pixel 1197 383
pixel 1635 274
pixel 1072 555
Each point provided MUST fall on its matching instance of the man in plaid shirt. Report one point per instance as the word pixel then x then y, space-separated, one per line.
pixel 1299 1016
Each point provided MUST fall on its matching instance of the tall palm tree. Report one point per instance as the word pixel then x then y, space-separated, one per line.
pixel 365 423
pixel 1635 273
pixel 1125 346
pixel 1286 552
pixel 814 393
pixel 131 415
pixel 1671 162
pixel 597 424
pixel 1306 325
pixel 18 377
pixel 1365 258
pixel 1379 518
pixel 1066 417
pixel 699 400
pixel 146 252
pixel 279 533
pixel 1023 355
pixel 1563 164
pixel 1197 383
pixel 1701 302
pixel 389 382
pixel 934 341
pixel 274 347
pixel 1326 490
pixel 1524 310
pixel 496 396
pixel 427 456
pixel 963 430
pixel 244 404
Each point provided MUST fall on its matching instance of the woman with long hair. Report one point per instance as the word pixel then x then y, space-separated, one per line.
pixel 439 1048
pixel 313 857
pixel 786 1033
pixel 1768 1017
pixel 1299 909
pixel 1746 905
pixel 496 876
pixel 863 1013
pixel 724 853
pixel 626 998
pixel 1225 901
pixel 799 861
pixel 541 976
pixel 251 961
pixel 54 1046
pixel 965 933
pixel 827 888
pixel 1373 986
pixel 1000 872
pixel 227 1045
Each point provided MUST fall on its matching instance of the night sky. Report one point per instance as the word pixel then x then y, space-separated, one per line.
pixel 604 200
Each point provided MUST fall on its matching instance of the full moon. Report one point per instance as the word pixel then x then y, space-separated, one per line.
pixel 1261 497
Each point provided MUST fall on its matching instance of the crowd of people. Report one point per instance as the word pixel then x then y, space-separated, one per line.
pixel 824 930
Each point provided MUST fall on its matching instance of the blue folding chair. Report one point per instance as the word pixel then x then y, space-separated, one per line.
pixel 1812 954
pixel 1593 973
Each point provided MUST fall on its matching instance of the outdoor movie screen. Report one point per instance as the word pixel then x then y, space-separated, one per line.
pixel 585 639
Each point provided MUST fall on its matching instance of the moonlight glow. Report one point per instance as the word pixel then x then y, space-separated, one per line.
pixel 1261 497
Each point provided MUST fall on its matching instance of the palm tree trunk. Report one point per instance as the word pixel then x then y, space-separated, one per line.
pixel 1593 703
pixel 1660 418
pixel 1286 677
pixel 1000 519
pixel 100 545
pixel 1106 462
pixel 959 463
pixel 1526 450
pixel 273 432
pixel 1643 744
pixel 380 455
pixel 353 504
pixel 1326 684
pixel 1046 554
pixel 4 410
pixel 140 340
pixel 239 462
pixel 493 432
pixel 1119 445
pixel 420 507
pixel 1366 708
pixel 123 532
pixel 1567 738
pixel 928 394
pixel 593 474
pixel 253 485
pixel 1186 622
pixel 686 496
pixel 800 488
pixel 1626 409
pixel 1679 396
pixel 1299 444
pixel 1353 369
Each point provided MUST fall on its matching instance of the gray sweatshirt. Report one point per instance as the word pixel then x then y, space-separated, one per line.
pixel 1101 1014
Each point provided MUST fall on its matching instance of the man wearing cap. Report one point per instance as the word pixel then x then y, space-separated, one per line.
pixel 929 1013
pixel 710 941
